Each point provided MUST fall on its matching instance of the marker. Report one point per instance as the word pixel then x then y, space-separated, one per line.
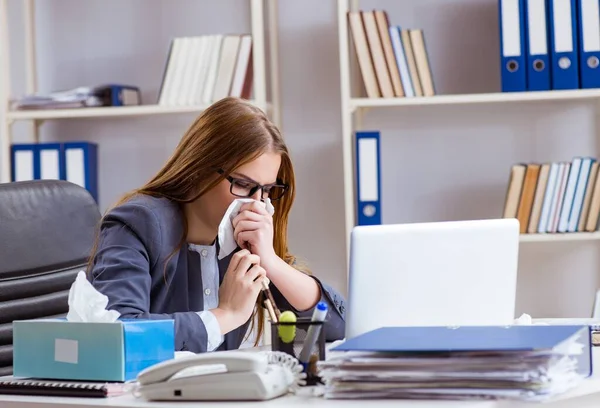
pixel 319 315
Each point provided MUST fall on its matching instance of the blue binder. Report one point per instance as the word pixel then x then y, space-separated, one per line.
pixel 81 165
pixel 51 165
pixel 538 59
pixel 368 178
pixel 512 45
pixel 24 162
pixel 564 48
pixel 441 339
pixel 589 44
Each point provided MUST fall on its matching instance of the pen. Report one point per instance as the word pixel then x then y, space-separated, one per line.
pixel 274 312
pixel 312 335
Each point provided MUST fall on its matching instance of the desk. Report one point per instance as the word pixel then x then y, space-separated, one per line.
pixel 586 396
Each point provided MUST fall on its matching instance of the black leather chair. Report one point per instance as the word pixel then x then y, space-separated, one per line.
pixel 47 230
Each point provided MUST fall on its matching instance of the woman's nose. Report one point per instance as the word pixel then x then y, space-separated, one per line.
pixel 257 195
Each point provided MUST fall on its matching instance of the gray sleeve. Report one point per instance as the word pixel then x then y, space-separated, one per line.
pixel 335 324
pixel 129 241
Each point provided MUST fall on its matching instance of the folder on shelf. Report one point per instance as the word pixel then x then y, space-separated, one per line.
pixel 383 26
pixel 589 44
pixel 118 95
pixel 591 222
pixel 538 60
pixel 382 72
pixel 538 200
pixel 558 198
pixel 567 200
pixel 368 178
pixel 542 226
pixel 361 47
pixel 564 44
pixel 512 46
pixel 80 161
pixel 51 165
pixel 513 193
pixel 587 200
pixel 24 162
pixel 530 179
pixel 411 61
pixel 579 195
pixel 401 61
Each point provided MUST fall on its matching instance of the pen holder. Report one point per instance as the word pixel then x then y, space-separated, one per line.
pixel 291 338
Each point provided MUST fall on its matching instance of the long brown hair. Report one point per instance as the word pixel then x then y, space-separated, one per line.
pixel 228 134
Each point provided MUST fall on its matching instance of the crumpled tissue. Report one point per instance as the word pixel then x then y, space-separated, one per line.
pixel 227 242
pixel 86 304
pixel 526 319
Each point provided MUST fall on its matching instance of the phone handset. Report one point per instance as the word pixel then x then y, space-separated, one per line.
pixel 215 362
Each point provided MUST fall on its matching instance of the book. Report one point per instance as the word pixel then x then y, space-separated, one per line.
pixel 58 388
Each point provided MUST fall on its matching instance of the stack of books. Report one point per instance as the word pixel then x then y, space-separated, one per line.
pixel 554 197
pixel 527 363
pixel 393 61
pixel 204 69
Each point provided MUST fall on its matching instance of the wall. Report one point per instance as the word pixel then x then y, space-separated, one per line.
pixel 440 163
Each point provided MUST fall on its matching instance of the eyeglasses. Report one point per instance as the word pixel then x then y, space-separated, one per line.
pixel 241 187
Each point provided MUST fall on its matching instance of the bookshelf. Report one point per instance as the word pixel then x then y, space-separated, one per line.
pixel 483 98
pixel 560 237
pixel 265 67
pixel 354 107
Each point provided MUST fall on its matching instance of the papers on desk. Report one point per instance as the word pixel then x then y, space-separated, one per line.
pixel 520 362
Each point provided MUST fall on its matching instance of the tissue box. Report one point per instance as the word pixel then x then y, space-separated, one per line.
pixel 58 349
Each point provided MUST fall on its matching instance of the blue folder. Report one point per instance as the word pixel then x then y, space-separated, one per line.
pixel 368 178
pixel 436 339
pixel 513 64
pixel 589 44
pixel 564 41
pixel 537 45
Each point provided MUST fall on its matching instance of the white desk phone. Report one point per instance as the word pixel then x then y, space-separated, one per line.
pixel 221 375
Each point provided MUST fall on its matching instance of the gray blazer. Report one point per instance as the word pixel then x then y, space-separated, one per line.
pixel 135 240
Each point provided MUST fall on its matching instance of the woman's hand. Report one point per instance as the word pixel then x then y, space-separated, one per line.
pixel 239 290
pixel 253 230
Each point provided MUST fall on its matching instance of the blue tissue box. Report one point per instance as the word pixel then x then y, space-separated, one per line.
pixel 57 349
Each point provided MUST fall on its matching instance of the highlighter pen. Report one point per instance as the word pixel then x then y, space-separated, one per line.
pixel 319 315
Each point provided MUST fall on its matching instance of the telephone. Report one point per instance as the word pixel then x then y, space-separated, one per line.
pixel 221 375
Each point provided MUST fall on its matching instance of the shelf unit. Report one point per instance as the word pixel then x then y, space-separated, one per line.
pixel 263 21
pixel 354 108
pixel 560 237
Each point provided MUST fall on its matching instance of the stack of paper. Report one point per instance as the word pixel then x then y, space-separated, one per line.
pixel 73 98
pixel 515 362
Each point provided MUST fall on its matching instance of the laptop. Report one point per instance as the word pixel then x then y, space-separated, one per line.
pixel 452 273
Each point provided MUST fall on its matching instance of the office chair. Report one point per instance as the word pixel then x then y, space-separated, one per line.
pixel 47 230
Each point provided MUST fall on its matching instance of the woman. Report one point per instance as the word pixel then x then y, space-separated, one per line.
pixel 156 254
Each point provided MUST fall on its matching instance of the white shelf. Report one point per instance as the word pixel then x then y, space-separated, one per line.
pixel 109 111
pixel 499 97
pixel 264 32
pixel 559 237
pixel 354 108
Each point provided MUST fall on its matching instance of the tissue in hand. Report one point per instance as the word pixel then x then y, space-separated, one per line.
pixel 86 304
pixel 227 242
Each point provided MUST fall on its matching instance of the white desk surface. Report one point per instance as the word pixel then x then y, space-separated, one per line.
pixel 586 396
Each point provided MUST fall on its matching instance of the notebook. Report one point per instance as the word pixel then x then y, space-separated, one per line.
pixel 59 388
